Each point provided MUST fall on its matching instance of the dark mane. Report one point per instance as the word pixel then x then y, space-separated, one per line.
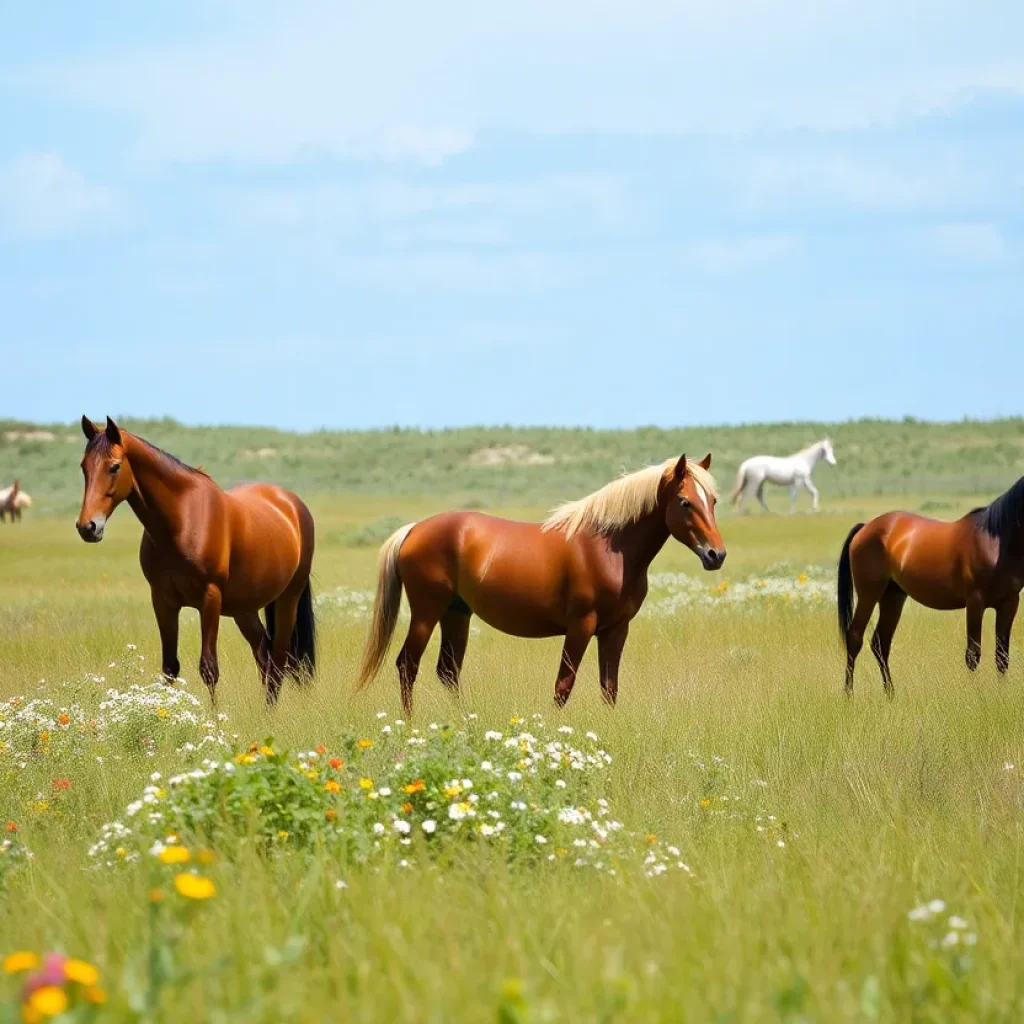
pixel 1004 518
pixel 101 444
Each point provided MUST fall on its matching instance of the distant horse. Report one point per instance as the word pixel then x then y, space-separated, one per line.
pixel 580 574
pixel 793 471
pixel 8 502
pixel 976 562
pixel 222 552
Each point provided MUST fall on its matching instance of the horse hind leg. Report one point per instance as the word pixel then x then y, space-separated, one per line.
pixel 890 608
pixel 454 638
pixel 760 495
pixel 1005 614
pixel 868 595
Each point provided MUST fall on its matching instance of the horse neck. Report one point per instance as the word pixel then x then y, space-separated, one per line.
pixel 640 541
pixel 158 486
pixel 811 455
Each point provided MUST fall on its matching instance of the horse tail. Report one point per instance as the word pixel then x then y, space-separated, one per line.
pixel 741 479
pixel 844 584
pixel 302 645
pixel 386 606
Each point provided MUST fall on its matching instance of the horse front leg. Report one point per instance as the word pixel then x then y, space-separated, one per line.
pixel 609 654
pixel 209 623
pixel 1005 614
pixel 577 638
pixel 813 492
pixel 975 614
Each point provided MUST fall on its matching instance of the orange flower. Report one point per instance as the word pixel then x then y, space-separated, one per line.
pixel 64 719
pixel 61 783
pixel 321 749
pixel 416 787
pixel 156 895
pixel 336 762
pixel 44 737
pixel 406 808
pixel 331 813
pixel 332 787
pixel 650 838
pixel 11 827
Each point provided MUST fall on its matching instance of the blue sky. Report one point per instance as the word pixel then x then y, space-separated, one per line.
pixel 329 214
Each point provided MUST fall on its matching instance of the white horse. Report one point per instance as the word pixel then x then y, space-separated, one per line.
pixel 794 471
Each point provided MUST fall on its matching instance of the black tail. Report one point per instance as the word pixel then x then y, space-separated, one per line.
pixel 844 584
pixel 302 646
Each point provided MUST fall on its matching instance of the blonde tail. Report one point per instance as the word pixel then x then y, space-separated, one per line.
pixel 741 479
pixel 386 606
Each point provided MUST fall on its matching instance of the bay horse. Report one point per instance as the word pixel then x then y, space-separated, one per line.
pixel 222 552
pixel 793 471
pixel 580 574
pixel 976 562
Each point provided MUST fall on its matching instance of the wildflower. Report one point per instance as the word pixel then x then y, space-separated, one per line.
pixel 330 814
pixel 23 960
pixel 407 808
pixel 402 826
pixel 384 791
pixel 332 787
pixel 950 940
pixel 64 719
pixel 339 884
pixel 48 1001
pixel 514 720
pixel 44 737
pixel 429 826
pixel 378 828
pixel 267 751
pixel 958 923
pixel 650 838
pixel 539 840
pixel 156 895
pixel 163 713
pixel 366 783
pixel 705 802
pixel 336 763
pixel 194 887
pixel 81 972
pixel 321 749
pixel 174 855
pixel 11 827
pixel 415 787
pixel 282 834
pixel 95 995
pixel 937 906
pixel 121 852
pixel 453 790
pixel 364 744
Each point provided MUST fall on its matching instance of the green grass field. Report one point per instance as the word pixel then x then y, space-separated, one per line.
pixel 811 824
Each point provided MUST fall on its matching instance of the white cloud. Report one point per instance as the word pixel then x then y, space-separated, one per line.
pixel 422 82
pixel 734 255
pixel 972 242
pixel 42 197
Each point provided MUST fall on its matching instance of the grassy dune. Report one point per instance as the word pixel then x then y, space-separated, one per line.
pixel 878 806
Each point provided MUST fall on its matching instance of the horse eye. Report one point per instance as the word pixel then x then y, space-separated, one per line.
pixel 115 467
pixel 685 502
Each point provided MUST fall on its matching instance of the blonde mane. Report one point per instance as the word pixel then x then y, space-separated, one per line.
pixel 622 501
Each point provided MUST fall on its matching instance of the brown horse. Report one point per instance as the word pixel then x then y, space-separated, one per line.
pixel 976 562
pixel 222 552
pixel 580 574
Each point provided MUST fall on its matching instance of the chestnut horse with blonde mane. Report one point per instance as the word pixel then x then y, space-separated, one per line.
pixel 976 562
pixel 580 574
pixel 223 552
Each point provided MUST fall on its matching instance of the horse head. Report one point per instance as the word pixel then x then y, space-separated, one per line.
pixel 689 503
pixel 108 478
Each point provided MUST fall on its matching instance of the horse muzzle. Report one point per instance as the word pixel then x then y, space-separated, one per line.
pixel 92 531
pixel 712 558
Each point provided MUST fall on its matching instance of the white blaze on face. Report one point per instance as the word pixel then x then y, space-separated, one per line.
pixel 702 494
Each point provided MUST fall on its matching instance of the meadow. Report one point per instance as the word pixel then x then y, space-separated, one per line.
pixel 738 843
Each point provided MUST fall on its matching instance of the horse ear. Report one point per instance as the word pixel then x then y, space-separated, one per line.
pixel 113 434
pixel 706 461
pixel 89 428
pixel 680 470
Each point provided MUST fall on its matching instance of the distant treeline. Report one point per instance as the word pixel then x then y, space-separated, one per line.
pixel 532 465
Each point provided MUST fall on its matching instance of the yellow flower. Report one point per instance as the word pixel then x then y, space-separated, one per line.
pixel 162 713
pixel 81 972
pixel 802 578
pixel 266 751
pixel 95 995
pixel 282 834
pixel 364 744
pixel 705 802
pixel 121 852
pixel 560 851
pixel 49 1001
pixel 650 838
pixel 416 787
pixel 332 787
pixel 23 960
pixel 175 855
pixel 366 783
pixel 194 887
pixel 453 790
pixel 514 720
